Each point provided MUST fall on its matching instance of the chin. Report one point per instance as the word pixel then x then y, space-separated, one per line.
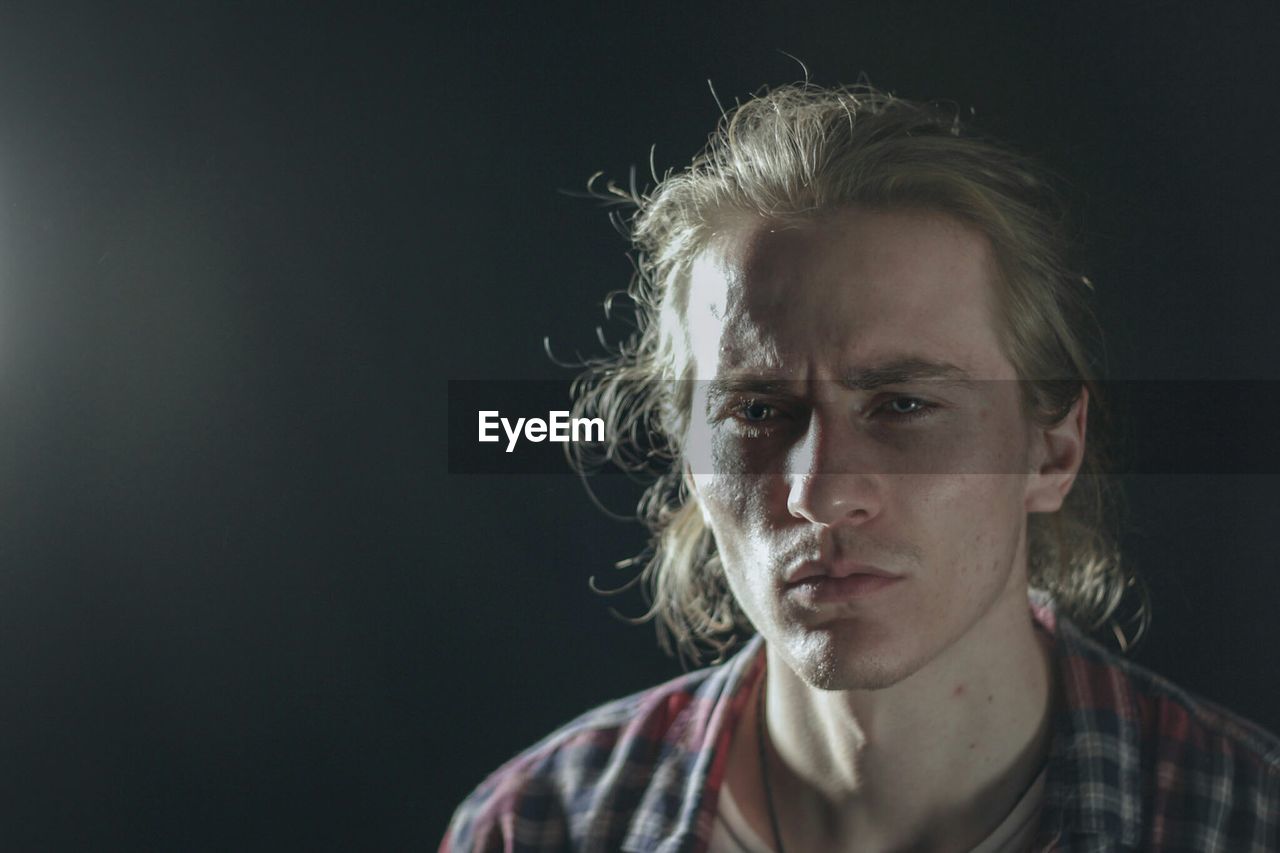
pixel 830 660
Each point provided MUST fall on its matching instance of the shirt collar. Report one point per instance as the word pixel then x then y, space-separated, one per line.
pixel 679 808
pixel 1095 779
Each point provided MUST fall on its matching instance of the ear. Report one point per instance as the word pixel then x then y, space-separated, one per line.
pixel 1057 453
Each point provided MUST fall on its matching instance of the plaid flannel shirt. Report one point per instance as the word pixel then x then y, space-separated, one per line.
pixel 1135 763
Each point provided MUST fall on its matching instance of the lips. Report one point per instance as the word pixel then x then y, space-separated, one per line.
pixel 816 570
pixel 817 584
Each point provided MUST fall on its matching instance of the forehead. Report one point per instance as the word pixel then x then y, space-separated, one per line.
pixel 850 289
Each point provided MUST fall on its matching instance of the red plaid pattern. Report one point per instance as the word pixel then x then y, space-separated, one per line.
pixel 1135 763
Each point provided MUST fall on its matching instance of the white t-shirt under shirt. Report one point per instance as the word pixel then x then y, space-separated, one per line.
pixel 1015 834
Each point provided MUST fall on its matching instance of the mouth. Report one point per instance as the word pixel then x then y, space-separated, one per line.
pixel 816 569
pixel 814 582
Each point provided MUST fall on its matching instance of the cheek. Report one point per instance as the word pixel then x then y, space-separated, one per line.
pixel 989 449
pixel 974 520
pixel 727 500
pixel 737 509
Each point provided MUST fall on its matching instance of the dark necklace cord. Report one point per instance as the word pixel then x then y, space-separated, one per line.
pixel 764 767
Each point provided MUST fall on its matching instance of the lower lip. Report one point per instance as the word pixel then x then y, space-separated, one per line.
pixel 828 590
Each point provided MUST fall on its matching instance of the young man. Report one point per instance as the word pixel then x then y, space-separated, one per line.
pixel 861 343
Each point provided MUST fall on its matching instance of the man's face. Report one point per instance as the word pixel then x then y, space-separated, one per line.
pixel 859 449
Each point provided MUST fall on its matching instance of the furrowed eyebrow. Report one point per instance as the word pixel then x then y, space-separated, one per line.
pixel 902 371
pixel 718 390
pixel 896 372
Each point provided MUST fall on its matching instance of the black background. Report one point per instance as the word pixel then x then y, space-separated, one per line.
pixel 242 602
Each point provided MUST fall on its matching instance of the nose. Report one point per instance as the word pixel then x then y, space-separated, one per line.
pixel 831 479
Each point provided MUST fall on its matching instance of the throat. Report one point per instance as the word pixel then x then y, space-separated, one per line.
pixel 923 760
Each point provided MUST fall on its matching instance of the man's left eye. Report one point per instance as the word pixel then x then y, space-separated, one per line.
pixel 906 407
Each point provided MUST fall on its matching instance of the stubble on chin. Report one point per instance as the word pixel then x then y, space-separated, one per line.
pixel 826 661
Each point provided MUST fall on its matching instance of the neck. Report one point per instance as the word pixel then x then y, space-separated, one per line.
pixel 933 761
